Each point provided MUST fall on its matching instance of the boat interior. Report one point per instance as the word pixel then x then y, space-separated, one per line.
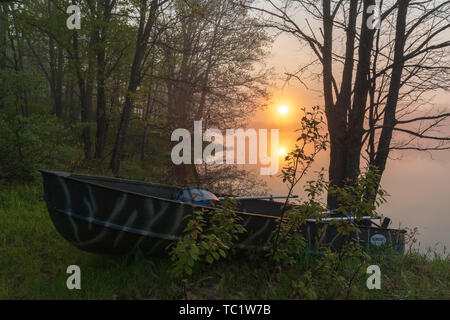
pixel 265 207
pixel 159 191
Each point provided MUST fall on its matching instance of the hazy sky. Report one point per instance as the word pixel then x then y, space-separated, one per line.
pixel 419 185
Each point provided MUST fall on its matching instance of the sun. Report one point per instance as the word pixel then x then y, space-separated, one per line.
pixel 282 152
pixel 283 110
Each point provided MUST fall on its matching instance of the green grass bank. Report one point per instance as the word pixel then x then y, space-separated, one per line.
pixel 34 259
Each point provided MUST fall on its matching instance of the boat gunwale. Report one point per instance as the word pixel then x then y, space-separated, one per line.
pixel 71 176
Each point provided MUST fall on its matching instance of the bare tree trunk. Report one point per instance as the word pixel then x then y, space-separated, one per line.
pixel 144 32
pixel 102 118
pixel 336 128
pixel 85 95
pixel 362 85
pixel 106 8
pixel 394 88
pixel 3 40
pixel 337 116
pixel 70 107
pixel 25 102
pixel 183 102
pixel 345 122
pixel 56 76
pixel 151 101
pixel 59 81
pixel 56 72
pixel 3 36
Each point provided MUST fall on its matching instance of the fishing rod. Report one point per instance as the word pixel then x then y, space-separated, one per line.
pixel 260 198
pixel 345 219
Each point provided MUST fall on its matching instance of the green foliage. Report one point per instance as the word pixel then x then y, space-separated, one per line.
pixel 287 243
pixel 30 143
pixel 225 224
pixel 311 141
pixel 355 199
pixel 186 252
pixel 336 274
pixel 34 258
pixel 359 198
pixel 13 83
pixel 208 236
pixel 362 197
pixel 291 243
pixel 338 271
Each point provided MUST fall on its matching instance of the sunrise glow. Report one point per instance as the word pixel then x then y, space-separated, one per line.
pixel 283 110
pixel 282 152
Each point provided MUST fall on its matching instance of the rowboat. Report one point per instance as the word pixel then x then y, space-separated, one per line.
pixel 113 216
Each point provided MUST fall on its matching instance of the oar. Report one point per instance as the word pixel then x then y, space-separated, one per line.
pixel 344 219
pixel 260 198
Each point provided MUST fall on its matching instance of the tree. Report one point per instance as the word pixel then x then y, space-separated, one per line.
pixel 147 19
pixel 212 74
pixel 384 74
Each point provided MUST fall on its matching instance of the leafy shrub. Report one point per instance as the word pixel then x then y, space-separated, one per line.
pixel 207 238
pixel 29 143
pixel 361 198
pixel 13 83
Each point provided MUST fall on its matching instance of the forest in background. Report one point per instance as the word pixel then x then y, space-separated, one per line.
pixel 105 98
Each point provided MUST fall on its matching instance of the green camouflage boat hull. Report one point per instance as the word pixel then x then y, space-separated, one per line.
pixel 114 216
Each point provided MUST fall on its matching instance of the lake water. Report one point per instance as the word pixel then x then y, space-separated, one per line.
pixel 419 189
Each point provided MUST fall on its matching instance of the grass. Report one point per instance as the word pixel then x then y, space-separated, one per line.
pixel 34 259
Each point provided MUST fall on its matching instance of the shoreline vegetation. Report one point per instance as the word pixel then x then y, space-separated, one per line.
pixel 34 259
pixel 105 93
